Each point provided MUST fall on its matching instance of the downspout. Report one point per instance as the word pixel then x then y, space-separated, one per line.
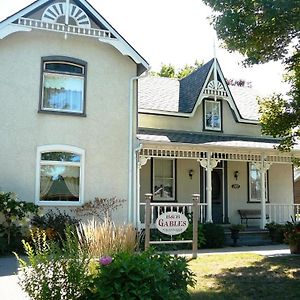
pixel 131 153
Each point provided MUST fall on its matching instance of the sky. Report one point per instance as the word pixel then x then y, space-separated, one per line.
pixel 174 32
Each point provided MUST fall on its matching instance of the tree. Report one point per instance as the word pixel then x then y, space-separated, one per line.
pixel 168 70
pixel 266 30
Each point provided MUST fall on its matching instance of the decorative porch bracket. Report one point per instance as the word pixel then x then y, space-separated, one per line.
pixel 208 164
pixel 263 167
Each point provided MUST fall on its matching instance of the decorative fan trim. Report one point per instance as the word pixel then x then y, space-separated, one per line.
pixel 211 86
pixel 54 11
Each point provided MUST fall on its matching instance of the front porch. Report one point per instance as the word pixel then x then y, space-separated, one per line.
pixel 226 179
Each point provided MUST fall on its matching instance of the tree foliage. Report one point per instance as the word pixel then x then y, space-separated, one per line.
pixel 169 70
pixel 266 30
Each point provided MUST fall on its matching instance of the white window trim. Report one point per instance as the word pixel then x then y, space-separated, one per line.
pixel 255 200
pixel 59 148
pixel 220 116
pixel 173 178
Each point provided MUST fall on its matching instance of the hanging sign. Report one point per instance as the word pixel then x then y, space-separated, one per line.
pixel 172 223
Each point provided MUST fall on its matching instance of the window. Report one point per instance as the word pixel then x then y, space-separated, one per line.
pixel 63 85
pixel 212 115
pixel 163 180
pixel 59 175
pixel 255 184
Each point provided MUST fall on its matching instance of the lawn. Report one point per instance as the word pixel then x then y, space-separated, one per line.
pixel 246 276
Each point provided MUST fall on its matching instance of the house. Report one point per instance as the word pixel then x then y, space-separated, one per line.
pixel 200 136
pixel 67 93
pixel 81 119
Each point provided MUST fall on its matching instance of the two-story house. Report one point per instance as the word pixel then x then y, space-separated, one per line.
pixel 70 87
pixel 67 94
pixel 200 136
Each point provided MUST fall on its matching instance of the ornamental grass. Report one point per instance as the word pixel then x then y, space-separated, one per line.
pixel 106 238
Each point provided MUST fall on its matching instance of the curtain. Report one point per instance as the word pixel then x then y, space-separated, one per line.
pixel 46 183
pixel 73 185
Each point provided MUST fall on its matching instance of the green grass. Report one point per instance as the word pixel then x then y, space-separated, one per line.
pixel 246 276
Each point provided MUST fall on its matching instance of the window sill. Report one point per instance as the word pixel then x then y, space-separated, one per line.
pixel 53 112
pixel 58 203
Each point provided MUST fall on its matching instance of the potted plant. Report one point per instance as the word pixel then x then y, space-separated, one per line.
pixel 292 236
pixel 235 232
pixel 276 232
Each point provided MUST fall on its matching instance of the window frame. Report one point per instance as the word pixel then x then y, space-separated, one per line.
pixel 254 200
pixel 219 102
pixel 154 161
pixel 81 164
pixel 70 61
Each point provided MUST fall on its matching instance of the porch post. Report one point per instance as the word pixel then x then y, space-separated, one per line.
pixel 263 167
pixel 208 164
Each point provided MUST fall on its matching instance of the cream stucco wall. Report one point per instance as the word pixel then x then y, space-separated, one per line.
pixel 195 123
pixel 103 133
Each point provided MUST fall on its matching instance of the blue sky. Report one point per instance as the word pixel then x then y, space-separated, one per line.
pixel 173 31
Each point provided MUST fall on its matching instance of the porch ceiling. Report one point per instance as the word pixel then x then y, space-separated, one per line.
pixel 221 145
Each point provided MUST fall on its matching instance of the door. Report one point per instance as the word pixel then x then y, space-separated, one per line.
pixel 217 195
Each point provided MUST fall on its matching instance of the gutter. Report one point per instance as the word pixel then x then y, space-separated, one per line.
pixel 131 153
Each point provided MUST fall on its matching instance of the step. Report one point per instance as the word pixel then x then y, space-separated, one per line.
pixel 249 237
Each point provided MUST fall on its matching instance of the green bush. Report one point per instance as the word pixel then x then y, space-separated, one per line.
pixel 143 276
pixel 276 232
pixel 214 235
pixel 54 271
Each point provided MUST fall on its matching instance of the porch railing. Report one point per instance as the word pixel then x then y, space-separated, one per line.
pixel 160 208
pixel 281 213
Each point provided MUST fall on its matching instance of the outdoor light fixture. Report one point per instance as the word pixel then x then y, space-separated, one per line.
pixel 191 173
pixel 236 175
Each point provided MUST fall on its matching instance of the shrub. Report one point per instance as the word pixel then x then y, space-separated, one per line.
pixel 214 235
pixel 53 271
pixel 276 232
pixel 14 212
pixel 55 224
pixel 100 208
pixel 143 276
pixel 106 238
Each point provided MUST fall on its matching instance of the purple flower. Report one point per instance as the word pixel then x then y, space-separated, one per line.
pixel 105 260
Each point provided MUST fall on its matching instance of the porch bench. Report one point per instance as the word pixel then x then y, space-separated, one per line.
pixel 250 214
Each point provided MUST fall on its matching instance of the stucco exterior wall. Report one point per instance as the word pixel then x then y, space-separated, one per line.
pixel 195 123
pixel 103 133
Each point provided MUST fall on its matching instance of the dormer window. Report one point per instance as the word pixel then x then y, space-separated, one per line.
pixel 212 113
pixel 63 85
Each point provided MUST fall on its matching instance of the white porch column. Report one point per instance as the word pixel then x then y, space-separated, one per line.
pixel 208 164
pixel 263 167
pixel 142 160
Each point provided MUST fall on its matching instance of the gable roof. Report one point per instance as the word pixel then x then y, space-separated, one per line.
pixel 160 95
pixel 12 24
pixel 191 87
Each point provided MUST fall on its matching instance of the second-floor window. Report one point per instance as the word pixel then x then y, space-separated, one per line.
pixel 212 115
pixel 63 85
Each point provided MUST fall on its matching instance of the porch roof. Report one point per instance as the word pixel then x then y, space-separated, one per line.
pixel 209 139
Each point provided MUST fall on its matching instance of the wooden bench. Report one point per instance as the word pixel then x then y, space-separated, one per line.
pixel 250 214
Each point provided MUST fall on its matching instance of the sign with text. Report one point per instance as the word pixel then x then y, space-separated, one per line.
pixel 172 223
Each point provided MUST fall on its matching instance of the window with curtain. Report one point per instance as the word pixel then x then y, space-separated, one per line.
pixel 255 184
pixel 163 180
pixel 212 115
pixel 63 86
pixel 60 177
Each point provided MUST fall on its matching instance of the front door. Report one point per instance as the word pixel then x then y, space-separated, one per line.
pixel 217 195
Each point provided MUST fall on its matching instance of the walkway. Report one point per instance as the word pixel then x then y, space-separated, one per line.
pixel 10 290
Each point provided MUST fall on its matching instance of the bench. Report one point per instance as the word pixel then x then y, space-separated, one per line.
pixel 250 214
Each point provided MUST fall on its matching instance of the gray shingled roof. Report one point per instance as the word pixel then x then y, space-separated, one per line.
pixel 180 96
pixel 170 136
pixel 191 86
